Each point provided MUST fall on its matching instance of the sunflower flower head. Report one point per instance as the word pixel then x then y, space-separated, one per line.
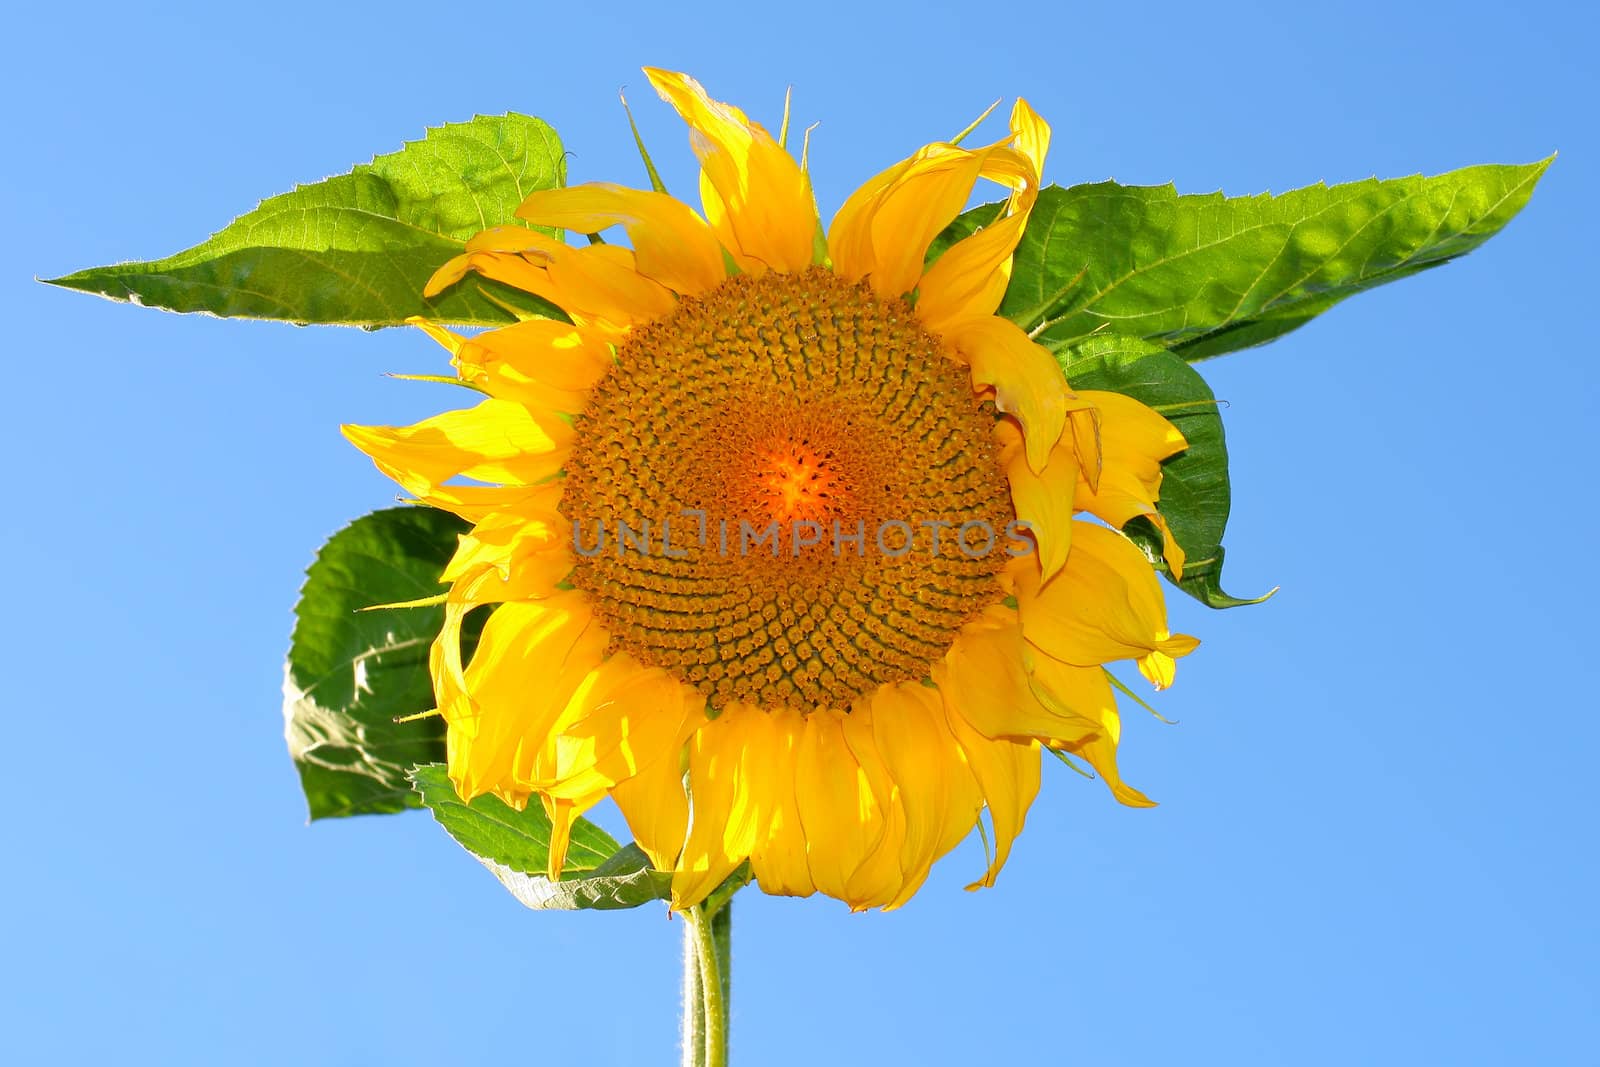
pixel 792 539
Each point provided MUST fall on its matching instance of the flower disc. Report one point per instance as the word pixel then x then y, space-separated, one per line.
pixel 808 492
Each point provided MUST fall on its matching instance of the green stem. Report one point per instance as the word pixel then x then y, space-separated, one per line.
pixel 708 940
pixel 694 1027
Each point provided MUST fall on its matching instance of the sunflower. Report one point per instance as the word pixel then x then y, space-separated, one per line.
pixel 792 538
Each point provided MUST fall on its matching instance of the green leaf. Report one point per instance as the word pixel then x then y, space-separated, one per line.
pixel 356 249
pixel 352 673
pixel 1204 275
pixel 1194 486
pixel 515 846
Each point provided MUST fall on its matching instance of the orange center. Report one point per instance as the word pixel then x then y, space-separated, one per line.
pixel 799 484
pixel 781 467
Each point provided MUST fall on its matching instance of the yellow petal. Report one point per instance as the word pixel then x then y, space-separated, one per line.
pixel 500 540
pixel 1085 693
pixel 780 860
pixel 671 243
pixel 562 814
pixel 1007 773
pixel 520 555
pixel 655 802
pixel 984 681
pixel 939 797
pixel 622 717
pixel 542 363
pixel 476 503
pixel 1044 500
pixel 529 660
pixel 1133 440
pixel 1105 605
pixel 913 210
pixel 837 808
pixel 850 244
pixel 497 441
pixel 597 286
pixel 762 210
pixel 970 279
pixel 602 282
pixel 1025 377
pixel 731 760
pixel 884 229
pixel 878 879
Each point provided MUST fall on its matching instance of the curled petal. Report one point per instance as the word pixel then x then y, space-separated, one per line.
pixel 597 286
pixel 540 363
pixel 530 658
pixel 654 800
pixel 1045 500
pixel 672 244
pixel 985 682
pixel 1105 605
pixel 970 279
pixel 1133 440
pixel 761 205
pixel 1026 379
pixel 1085 693
pixel 1007 773
pixel 497 441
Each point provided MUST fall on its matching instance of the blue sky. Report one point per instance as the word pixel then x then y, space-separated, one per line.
pixel 1375 842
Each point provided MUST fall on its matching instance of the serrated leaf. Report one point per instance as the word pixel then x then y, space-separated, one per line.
pixel 1195 494
pixel 356 249
pixel 1204 275
pixel 515 847
pixel 351 673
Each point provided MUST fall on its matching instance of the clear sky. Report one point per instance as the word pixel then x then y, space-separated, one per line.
pixel 1376 842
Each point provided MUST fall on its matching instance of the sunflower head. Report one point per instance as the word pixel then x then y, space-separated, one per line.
pixel 793 541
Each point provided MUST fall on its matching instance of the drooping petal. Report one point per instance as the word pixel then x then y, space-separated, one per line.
pixel 671 243
pixel 476 503
pixel 879 878
pixel 1085 693
pixel 1134 440
pixel 623 717
pixel 730 788
pixel 655 802
pixel 763 210
pixel 529 660
pixel 850 244
pixel 840 815
pixel 1025 377
pixel 1043 500
pixel 908 214
pixel 885 228
pixel 779 861
pixel 1008 775
pixel 1105 605
pixel 984 681
pixel 938 795
pixel 497 441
